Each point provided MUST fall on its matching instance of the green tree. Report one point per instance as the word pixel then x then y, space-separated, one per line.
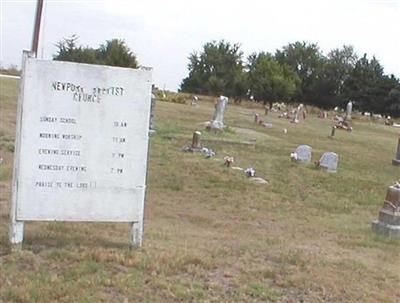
pixel 269 80
pixel 114 52
pixel 393 99
pixel 368 86
pixel 339 66
pixel 240 85
pixel 331 75
pixel 306 60
pixel 68 50
pixel 216 70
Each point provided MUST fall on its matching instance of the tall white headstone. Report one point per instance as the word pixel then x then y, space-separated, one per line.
pixel 218 120
pixel 82 145
pixel 299 109
pixel 349 109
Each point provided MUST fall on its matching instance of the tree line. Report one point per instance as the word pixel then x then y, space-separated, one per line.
pixel 113 52
pixel 299 72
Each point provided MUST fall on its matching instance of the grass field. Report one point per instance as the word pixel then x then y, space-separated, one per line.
pixel 211 235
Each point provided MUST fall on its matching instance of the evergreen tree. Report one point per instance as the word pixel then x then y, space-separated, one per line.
pixel 114 52
pixel 367 85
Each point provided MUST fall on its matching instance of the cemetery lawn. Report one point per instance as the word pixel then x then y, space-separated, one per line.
pixel 211 235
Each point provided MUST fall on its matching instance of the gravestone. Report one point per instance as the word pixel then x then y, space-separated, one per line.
pixel 396 160
pixel 152 125
pixel 329 161
pixel 388 222
pixel 323 115
pixel 349 109
pixel 194 100
pixel 196 140
pixel 81 145
pixel 299 109
pixel 218 119
pixel 303 154
pixel 333 131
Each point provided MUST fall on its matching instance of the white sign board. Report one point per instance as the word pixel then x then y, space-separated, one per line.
pixel 83 142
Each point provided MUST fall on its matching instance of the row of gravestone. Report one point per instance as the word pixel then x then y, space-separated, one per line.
pixel 328 161
pixel 389 217
pixel 388 222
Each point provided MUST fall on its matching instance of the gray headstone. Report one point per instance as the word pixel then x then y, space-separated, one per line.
pixel 396 160
pixel 329 161
pixel 388 222
pixel 333 131
pixel 152 109
pixel 196 141
pixel 304 153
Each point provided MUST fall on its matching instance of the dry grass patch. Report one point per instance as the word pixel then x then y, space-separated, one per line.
pixel 212 236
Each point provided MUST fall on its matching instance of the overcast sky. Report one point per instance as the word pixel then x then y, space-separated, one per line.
pixel 163 33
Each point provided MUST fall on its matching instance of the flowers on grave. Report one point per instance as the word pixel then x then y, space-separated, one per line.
pixel 208 152
pixel 250 172
pixel 228 160
pixel 396 184
pixel 187 149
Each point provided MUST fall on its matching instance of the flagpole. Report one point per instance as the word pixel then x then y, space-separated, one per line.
pixel 36 29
